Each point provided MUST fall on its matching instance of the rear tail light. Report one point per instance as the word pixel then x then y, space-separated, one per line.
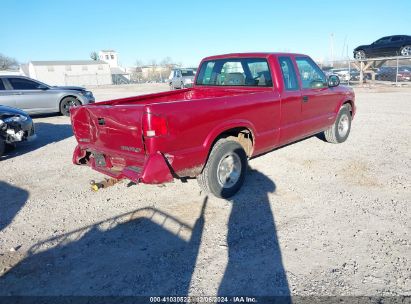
pixel 154 125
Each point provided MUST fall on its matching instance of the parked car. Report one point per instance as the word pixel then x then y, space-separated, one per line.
pixel 15 126
pixel 386 46
pixel 181 78
pixel 234 111
pixel 343 74
pixel 35 97
pixel 390 74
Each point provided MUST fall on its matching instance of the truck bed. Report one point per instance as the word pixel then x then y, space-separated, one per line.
pixel 180 95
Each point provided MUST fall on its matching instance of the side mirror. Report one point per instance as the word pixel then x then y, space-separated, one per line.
pixel 42 87
pixel 333 81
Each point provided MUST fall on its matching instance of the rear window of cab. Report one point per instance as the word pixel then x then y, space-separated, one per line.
pixel 244 72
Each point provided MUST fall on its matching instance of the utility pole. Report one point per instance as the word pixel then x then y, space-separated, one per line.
pixel 332 49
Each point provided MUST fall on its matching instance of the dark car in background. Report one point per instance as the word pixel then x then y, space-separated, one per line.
pixel 35 97
pixel 390 74
pixel 398 45
pixel 15 126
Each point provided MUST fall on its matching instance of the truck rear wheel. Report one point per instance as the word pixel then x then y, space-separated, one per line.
pixel 340 130
pixel 224 173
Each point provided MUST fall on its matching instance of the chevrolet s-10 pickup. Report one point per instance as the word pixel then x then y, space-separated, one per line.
pixel 240 106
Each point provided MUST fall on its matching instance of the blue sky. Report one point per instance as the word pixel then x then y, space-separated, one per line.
pixel 186 31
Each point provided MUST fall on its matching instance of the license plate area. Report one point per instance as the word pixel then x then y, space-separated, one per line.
pixel 100 159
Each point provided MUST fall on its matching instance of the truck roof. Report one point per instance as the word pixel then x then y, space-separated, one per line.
pixel 251 54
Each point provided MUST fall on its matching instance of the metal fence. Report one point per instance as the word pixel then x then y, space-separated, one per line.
pixel 375 71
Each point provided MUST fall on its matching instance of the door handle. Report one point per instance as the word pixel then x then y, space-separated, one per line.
pixel 305 98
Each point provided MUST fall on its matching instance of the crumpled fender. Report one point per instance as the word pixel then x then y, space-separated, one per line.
pixel 156 170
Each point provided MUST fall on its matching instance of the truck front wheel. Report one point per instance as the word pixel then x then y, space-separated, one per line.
pixel 341 128
pixel 225 171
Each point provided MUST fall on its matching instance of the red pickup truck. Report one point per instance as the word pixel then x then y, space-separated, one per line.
pixel 240 106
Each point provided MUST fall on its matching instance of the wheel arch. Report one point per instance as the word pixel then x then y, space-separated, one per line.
pixel 243 132
pixel 69 95
pixel 349 102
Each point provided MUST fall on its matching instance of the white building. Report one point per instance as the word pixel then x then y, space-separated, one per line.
pixel 109 56
pixel 73 72
pixel 119 74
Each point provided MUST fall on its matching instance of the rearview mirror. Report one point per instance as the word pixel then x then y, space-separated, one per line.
pixel 333 81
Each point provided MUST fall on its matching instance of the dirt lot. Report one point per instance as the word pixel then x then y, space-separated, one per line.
pixel 312 219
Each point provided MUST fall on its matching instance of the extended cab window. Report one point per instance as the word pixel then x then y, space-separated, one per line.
pixel 289 75
pixel 311 75
pixel 249 72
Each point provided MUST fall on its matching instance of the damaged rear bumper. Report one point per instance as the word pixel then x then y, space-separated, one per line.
pixel 148 169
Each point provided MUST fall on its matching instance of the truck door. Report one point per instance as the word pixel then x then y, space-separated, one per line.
pixel 318 100
pixel 290 102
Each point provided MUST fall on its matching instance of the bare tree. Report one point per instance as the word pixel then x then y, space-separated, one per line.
pixel 8 63
pixel 137 72
pixel 94 55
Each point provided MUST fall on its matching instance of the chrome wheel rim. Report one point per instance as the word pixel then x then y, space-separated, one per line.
pixel 359 55
pixel 343 125
pixel 68 104
pixel 229 170
pixel 406 51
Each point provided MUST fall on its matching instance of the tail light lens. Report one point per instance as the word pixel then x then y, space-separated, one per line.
pixel 154 125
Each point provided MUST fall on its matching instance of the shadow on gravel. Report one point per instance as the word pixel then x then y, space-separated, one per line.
pixel 144 252
pixel 12 199
pixel 255 266
pixel 47 133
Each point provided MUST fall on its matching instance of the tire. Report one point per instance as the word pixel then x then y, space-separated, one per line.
pixel 66 103
pixel 360 55
pixel 10 147
pixel 225 170
pixel 406 50
pixel 2 147
pixel 339 131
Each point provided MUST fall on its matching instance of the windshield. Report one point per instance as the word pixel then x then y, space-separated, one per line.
pixel 249 72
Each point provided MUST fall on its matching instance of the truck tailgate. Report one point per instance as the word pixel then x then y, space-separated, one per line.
pixel 112 135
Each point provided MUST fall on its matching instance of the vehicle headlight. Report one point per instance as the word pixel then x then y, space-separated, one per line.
pixel 87 93
pixel 16 118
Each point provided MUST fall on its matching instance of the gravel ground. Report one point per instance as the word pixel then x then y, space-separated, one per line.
pixel 312 218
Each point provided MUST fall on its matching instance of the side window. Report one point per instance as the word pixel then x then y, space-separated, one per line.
pixel 382 40
pixel 311 75
pixel 2 88
pixel 206 72
pixel 23 84
pixel 396 38
pixel 289 75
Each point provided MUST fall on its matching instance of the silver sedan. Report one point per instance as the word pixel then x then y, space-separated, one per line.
pixel 35 97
